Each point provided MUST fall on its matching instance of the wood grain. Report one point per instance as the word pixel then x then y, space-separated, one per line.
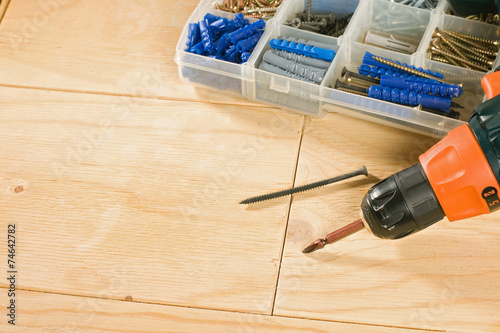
pixel 41 312
pixel 139 197
pixel 443 278
pixel 116 47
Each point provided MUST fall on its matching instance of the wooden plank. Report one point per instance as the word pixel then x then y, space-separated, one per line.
pixel 115 196
pixel 442 278
pixel 41 312
pixel 116 47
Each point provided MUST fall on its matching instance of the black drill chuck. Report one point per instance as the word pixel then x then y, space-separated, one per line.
pixel 401 205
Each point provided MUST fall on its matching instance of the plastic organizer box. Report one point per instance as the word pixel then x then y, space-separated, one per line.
pixel 312 99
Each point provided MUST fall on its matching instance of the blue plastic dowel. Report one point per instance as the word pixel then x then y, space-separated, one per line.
pixel 244 56
pixel 249 43
pixel 240 20
pixel 217 28
pixel 206 37
pixel 246 32
pixel 434 102
pixel 211 18
pixel 220 38
pixel 418 85
pixel 194 36
pixel 370 71
pixel 221 23
pixel 198 49
pixel 377 72
pixel 232 54
pixel 303 49
pixel 410 98
pixel 222 44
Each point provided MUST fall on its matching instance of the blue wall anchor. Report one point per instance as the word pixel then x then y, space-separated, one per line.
pixel 194 36
pixel 411 98
pixel 303 49
pixel 249 43
pixel 206 37
pixel 419 85
pixel 244 33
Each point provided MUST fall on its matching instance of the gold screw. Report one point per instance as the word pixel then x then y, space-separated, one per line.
pixel 472 40
pixel 262 9
pixel 471 54
pixel 452 56
pixel 406 69
pixel 458 50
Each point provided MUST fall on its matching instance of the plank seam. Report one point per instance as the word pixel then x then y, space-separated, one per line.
pixel 273 304
pixel 148 97
pixel 363 324
pixel 219 310
pixel 5 11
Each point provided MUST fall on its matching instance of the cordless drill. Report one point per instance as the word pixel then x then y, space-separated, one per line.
pixel 458 178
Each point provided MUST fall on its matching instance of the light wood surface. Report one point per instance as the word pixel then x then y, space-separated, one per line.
pixel 63 313
pixel 146 199
pixel 124 186
pixel 442 278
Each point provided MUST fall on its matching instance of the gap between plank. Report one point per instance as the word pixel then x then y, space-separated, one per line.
pixel 218 310
pixel 288 216
pixel 150 97
pixel 5 11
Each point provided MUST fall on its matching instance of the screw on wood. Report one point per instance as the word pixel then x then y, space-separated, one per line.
pixel 307 187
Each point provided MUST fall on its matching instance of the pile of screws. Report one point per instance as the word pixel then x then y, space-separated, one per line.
pixel 262 9
pixel 427 4
pixel 489 18
pixel 462 50
pixel 325 24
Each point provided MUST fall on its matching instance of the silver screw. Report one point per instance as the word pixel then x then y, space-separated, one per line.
pixel 309 7
pixel 310 27
pixel 296 22
pixel 322 23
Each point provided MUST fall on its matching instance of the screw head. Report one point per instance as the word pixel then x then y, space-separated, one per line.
pixel 321 23
pixel 296 22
